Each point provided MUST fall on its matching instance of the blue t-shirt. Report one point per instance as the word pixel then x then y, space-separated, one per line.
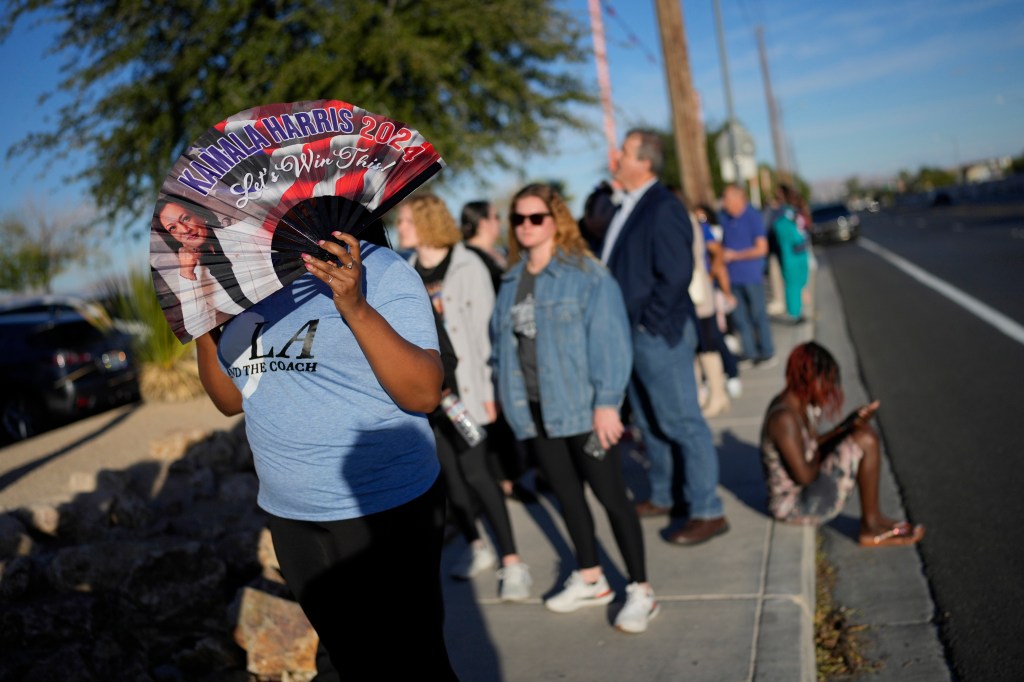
pixel 327 440
pixel 739 234
pixel 709 236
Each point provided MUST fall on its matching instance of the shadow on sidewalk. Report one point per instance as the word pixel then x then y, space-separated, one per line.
pixel 739 466
pixel 14 475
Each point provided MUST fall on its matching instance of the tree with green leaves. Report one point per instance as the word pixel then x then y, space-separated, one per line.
pixel 38 245
pixel 481 80
pixel 1017 165
pixel 929 178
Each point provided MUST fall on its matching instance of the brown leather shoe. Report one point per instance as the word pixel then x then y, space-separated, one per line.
pixel 697 531
pixel 648 509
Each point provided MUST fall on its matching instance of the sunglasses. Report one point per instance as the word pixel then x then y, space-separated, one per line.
pixel 517 219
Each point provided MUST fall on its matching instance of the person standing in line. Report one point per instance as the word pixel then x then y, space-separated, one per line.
pixel 561 354
pixel 745 243
pixel 803 223
pixel 343 451
pixel 649 250
pixel 481 229
pixel 775 292
pixel 708 363
pixel 598 210
pixel 724 300
pixel 793 252
pixel 460 290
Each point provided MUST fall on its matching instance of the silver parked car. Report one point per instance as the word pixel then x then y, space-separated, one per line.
pixel 833 223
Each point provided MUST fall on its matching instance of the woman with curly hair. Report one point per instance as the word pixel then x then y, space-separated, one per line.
pixel 562 354
pixel 460 290
pixel 809 476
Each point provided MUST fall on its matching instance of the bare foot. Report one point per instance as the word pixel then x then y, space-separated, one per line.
pixel 889 533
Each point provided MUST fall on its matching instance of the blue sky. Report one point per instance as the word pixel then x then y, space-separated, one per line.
pixel 865 89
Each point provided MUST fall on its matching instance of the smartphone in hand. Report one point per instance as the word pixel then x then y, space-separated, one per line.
pixel 862 415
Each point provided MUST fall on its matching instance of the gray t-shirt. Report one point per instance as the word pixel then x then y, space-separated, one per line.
pixel 328 442
pixel 524 324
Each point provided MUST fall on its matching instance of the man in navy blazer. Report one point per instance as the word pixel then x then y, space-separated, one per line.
pixel 648 248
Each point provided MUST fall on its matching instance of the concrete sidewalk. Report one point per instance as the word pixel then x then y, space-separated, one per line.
pixel 739 607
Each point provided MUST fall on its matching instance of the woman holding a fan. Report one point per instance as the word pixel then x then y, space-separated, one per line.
pixel 343 450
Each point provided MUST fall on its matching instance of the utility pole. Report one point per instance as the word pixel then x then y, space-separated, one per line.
pixel 604 81
pixel 730 114
pixel 686 123
pixel 781 160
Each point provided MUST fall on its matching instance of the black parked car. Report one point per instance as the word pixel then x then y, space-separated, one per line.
pixel 833 223
pixel 56 366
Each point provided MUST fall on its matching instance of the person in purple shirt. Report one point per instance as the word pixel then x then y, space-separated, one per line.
pixel 745 242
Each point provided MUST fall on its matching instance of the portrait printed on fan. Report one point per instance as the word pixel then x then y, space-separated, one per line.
pixel 208 267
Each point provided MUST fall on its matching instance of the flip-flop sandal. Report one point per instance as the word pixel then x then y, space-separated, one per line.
pixel 901 534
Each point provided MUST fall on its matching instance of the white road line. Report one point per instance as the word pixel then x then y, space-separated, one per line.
pixel 995 318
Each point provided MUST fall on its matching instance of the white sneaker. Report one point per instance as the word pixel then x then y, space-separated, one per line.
pixel 475 559
pixel 515 582
pixel 734 387
pixel 577 593
pixel 639 610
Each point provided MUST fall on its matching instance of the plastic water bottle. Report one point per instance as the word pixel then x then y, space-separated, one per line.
pixel 464 424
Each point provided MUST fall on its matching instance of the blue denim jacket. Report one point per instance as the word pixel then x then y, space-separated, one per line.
pixel 584 348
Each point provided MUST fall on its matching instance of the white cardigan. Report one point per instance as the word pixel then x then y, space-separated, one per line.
pixel 468 296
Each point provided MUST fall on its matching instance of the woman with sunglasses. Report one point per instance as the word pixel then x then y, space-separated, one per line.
pixel 561 349
pixel 334 373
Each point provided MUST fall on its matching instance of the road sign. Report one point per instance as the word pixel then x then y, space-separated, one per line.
pixel 744 149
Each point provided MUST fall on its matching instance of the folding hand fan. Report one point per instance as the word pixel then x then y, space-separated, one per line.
pixel 260 188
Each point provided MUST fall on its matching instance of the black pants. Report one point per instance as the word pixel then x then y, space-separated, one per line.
pixel 711 340
pixel 371 588
pixel 470 484
pixel 566 467
pixel 503 454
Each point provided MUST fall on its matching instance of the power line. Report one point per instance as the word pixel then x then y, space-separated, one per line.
pixel 631 39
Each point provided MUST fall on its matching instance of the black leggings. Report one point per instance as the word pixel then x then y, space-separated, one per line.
pixel 371 588
pixel 469 481
pixel 566 466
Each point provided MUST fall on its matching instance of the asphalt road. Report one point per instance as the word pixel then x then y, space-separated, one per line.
pixel 951 411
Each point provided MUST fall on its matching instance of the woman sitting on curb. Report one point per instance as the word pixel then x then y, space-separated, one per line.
pixel 809 476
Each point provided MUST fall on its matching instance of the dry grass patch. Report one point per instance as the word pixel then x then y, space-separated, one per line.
pixel 838 643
